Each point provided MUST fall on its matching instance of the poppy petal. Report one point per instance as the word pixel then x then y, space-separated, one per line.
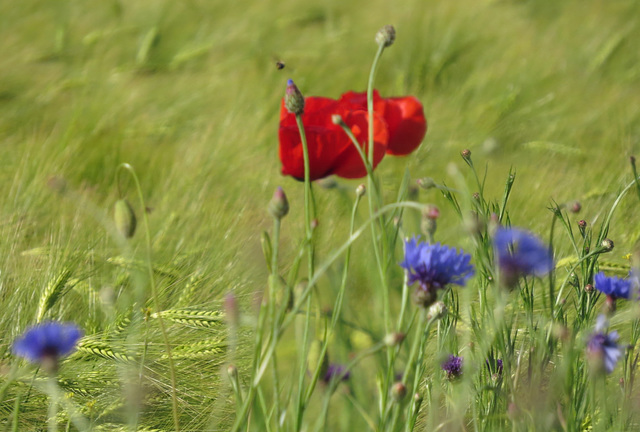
pixel 349 163
pixel 407 124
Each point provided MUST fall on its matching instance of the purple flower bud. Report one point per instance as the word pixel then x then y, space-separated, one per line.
pixel 452 366
pixel 293 99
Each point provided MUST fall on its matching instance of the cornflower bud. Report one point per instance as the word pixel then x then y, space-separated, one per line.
pixel 588 288
pixel 279 205
pixel 607 245
pixel 426 183
pixel 394 339
pixel 582 226
pixel 437 311
pixel 398 391
pixel 125 218
pixel 466 155
pixel 293 99
pixel 386 36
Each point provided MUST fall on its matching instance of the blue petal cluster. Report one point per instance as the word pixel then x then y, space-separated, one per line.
pixel 613 286
pixel 435 266
pixel 50 340
pixel 453 366
pixel 521 253
pixel 603 347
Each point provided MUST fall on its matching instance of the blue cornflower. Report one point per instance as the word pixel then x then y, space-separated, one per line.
pixel 45 343
pixel 336 371
pixel 614 287
pixel 521 253
pixel 434 266
pixel 603 350
pixel 452 366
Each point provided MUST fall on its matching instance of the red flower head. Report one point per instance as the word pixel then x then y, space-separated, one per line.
pixel 399 126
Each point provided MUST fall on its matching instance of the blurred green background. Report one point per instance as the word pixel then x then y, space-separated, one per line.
pixel 189 94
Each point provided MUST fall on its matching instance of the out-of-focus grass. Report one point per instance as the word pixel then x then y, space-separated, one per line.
pixel 188 93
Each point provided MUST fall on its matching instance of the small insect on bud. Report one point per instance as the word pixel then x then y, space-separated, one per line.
pixel 398 391
pixel 293 99
pixel 386 36
pixel 394 339
pixel 607 245
pixel 125 218
pixel 279 205
pixel 361 190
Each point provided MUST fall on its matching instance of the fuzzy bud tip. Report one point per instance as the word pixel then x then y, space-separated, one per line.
pixel 386 36
pixel 279 205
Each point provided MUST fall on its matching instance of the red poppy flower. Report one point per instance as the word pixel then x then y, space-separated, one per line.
pixel 399 127
pixel 330 149
pixel 404 117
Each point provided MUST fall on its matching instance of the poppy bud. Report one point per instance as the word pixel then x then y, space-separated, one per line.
pixel 336 119
pixel 293 99
pixel 279 205
pixel 125 218
pixel 386 36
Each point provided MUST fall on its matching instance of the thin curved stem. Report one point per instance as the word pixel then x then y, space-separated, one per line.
pixel 154 294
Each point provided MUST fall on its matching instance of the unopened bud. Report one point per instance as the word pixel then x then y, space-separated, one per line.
pixel 607 245
pixel 125 218
pixel 398 391
pixel 232 371
pixel 575 207
pixel 386 36
pixel 361 190
pixel 431 211
pixel 588 288
pixel 437 311
pixel 394 339
pixel 293 99
pixel 466 155
pixel 327 183
pixel 582 226
pixel 279 205
pixel 336 119
pixel 426 183
pixel 314 224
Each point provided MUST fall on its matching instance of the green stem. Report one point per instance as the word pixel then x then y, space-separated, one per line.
pixel 52 423
pixel 154 294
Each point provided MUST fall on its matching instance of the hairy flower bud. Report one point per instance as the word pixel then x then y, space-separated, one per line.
pixel 386 36
pixel 426 183
pixel 437 311
pixel 279 205
pixel 607 245
pixel 125 218
pixel 361 190
pixel 293 99
pixel 398 391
